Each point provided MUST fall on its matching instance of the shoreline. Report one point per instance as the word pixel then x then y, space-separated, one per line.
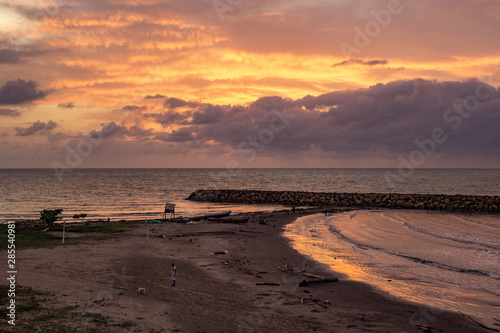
pixel 234 291
pixel 401 280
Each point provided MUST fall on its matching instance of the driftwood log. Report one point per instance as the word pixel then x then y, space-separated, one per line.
pixel 313 276
pixel 267 284
pixel 313 282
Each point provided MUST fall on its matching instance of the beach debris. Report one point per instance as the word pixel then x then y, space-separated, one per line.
pixel 287 268
pixel 477 323
pixel 45 230
pixel 250 231
pixel 313 276
pixel 317 281
pixel 221 252
pixel 226 220
pixel 141 290
pixel 267 284
pixel 424 328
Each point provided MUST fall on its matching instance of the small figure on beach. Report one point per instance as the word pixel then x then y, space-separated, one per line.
pixel 293 210
pixel 173 272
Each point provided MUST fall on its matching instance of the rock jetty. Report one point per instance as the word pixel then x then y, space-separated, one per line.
pixel 466 203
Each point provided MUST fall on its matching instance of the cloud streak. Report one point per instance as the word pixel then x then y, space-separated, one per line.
pixel 38 127
pixel 360 62
pixel 9 113
pixel 67 105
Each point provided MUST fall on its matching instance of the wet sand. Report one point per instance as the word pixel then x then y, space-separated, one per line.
pixel 242 290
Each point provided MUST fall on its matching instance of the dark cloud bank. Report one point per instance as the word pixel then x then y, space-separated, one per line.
pixel 414 119
pixel 395 118
pixel 20 91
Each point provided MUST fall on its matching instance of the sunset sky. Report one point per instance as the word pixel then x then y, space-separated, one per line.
pixel 240 83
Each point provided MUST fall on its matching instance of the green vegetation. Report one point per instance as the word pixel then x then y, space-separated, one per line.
pixel 36 238
pixel 126 324
pixel 103 228
pixel 49 216
pixel 40 312
pixel 96 317
pixel 32 315
pixel 80 216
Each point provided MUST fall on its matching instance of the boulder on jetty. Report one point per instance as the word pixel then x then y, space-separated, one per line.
pixel 464 203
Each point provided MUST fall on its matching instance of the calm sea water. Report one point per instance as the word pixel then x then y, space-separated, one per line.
pixel 141 193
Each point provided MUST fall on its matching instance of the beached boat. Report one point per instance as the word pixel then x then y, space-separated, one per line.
pixel 212 215
pixel 217 215
pixel 224 220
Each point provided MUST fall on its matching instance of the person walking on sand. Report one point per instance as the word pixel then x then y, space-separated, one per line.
pixel 173 272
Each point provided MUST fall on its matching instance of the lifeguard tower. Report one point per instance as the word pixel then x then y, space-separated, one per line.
pixel 169 208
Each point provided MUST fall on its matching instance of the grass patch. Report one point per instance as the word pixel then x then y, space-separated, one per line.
pixel 41 312
pixel 26 300
pixel 32 313
pixel 96 318
pixel 102 228
pixel 125 324
pixel 35 238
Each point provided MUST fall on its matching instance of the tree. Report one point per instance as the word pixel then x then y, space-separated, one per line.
pixel 49 216
pixel 80 216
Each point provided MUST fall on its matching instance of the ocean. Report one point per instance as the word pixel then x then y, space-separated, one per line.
pixel 142 193
pixel 438 259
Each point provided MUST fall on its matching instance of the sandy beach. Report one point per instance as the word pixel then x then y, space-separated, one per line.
pixel 241 290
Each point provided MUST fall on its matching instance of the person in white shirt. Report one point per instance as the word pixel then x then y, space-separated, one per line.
pixel 173 272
